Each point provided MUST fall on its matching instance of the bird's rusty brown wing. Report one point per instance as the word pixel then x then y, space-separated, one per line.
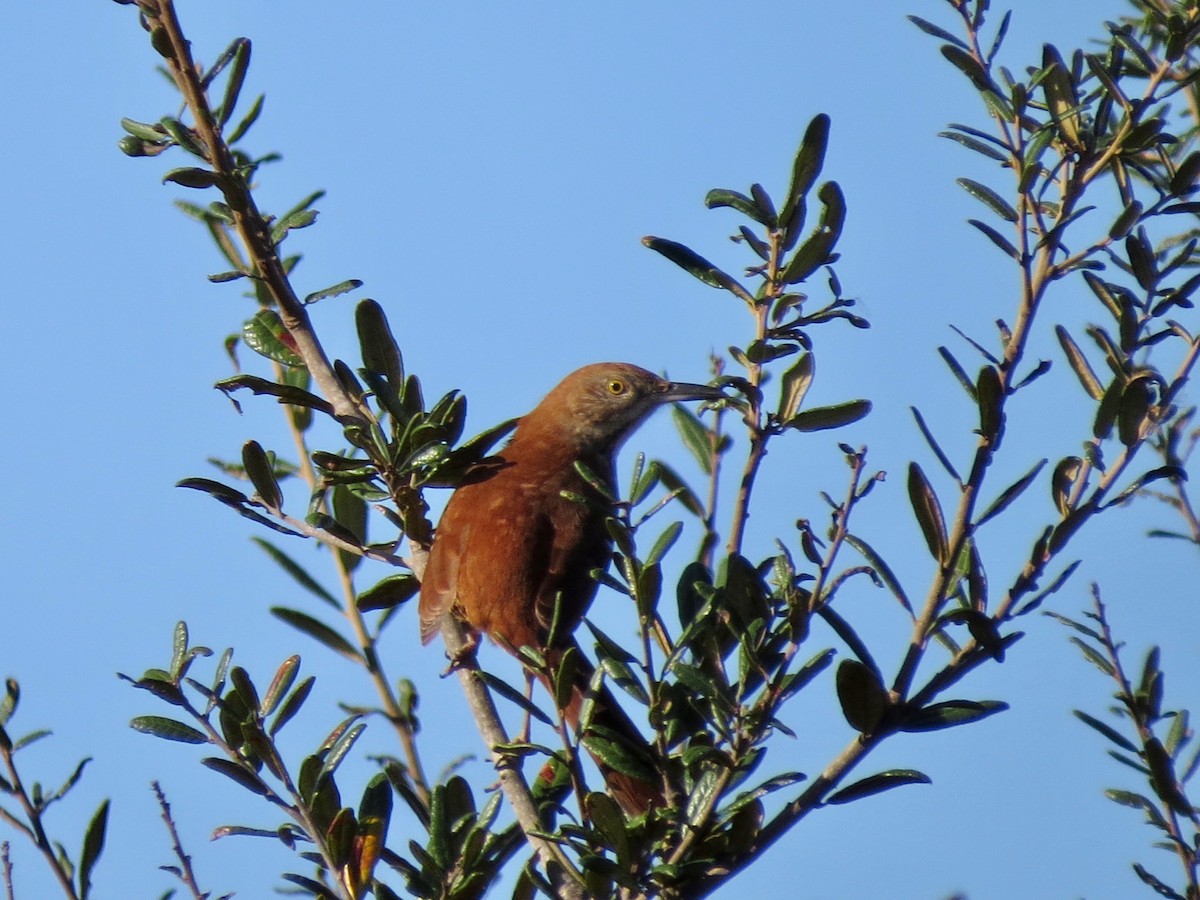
pixel 439 585
pixel 578 543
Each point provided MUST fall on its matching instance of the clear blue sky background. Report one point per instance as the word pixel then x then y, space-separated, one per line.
pixel 490 171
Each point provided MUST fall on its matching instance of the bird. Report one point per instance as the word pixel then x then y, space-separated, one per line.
pixel 517 543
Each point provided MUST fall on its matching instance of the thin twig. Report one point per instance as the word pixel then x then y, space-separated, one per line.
pixel 185 872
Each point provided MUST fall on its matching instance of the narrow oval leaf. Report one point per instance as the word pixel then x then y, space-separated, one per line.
pixel 93 845
pixel 719 197
pixel 1107 730
pixel 1132 411
pixel 874 784
pixel 1061 98
pixel 805 168
pixel 616 755
pixel 286 393
pixel 934 31
pixel 606 817
pixel 237 77
pixel 861 694
pixel 380 354
pixel 191 177
pixel 292 704
pixel 261 474
pixel 817 250
pixel 989 395
pixel 339 750
pixel 988 198
pixel 694 264
pixel 1011 493
pixel 950 713
pixel 297 572
pixel 1083 370
pixel 243 776
pixel 342 287
pixel 821 418
pixel 318 631
pixel 168 729
pixel 793 385
pixel 390 592
pixel 929 513
pixel 996 238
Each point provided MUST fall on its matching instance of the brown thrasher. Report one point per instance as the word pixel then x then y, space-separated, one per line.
pixel 510 545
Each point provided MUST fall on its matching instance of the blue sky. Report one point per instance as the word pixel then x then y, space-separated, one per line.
pixel 490 171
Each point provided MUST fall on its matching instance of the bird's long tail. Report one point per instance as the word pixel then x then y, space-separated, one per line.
pixel 621 752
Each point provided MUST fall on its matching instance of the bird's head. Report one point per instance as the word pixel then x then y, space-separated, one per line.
pixel 595 408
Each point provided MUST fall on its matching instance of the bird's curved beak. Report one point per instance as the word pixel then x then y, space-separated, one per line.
pixel 682 390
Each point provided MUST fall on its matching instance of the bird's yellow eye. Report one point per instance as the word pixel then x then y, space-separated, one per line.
pixel 616 387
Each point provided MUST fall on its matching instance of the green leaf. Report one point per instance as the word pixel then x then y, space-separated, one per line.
pixel 989 198
pixel 247 120
pixel 996 238
pixel 934 445
pixel 950 713
pixel 350 512
pixel 719 197
pixel 861 694
pixel 664 543
pixel 266 335
pixel 882 569
pixel 380 354
pixel 793 385
pixel 1083 370
pixel 509 693
pixel 989 395
pixel 929 513
pixel 191 177
pixel 817 250
pixel 616 755
pixel 239 773
pixel 339 749
pixel 958 372
pixel 297 572
pixel 93 846
pixel 342 287
pixel 874 784
pixel 147 132
pixel 318 631
pixel 934 31
pixel 695 265
pixel 1011 493
pixel 285 675
pixel 1183 182
pixel 292 704
pixel 1061 98
pixel 606 817
pixel 805 168
pixel 388 593
pixel 1129 217
pixel 286 393
pixel 1133 409
pixel 300 218
pixel 237 77
pixel 261 474
pixel 1107 730
pixel 697 437
pixel 969 66
pixel 168 729
pixel 974 144
pixel 820 418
